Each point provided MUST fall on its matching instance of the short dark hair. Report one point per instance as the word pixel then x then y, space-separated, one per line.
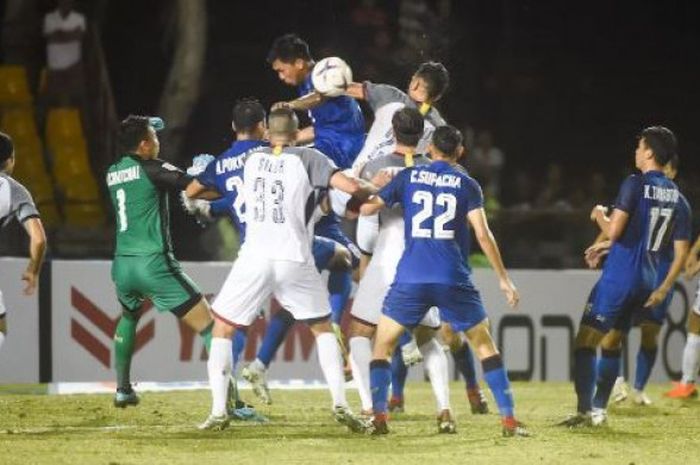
pixel 661 141
pixel 447 139
pixel 288 48
pixel 674 162
pixel 436 78
pixel 282 121
pixel 132 130
pixel 408 125
pixel 7 148
pixel 247 114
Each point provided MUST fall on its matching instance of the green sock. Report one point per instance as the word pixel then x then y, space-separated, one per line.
pixel 124 341
pixel 206 335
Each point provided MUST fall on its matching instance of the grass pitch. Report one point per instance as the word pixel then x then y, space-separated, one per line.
pixel 86 429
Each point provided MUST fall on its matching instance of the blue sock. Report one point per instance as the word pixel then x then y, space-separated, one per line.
pixel 464 362
pixel 274 335
pixel 497 379
pixel 399 372
pixel 339 287
pixel 645 363
pixel 405 338
pixel 239 342
pixel 379 379
pixel 608 369
pixel 584 377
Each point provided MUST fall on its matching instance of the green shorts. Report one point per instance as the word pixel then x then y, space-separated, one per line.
pixel 157 277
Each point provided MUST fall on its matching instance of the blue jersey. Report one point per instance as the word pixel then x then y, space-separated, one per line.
pixel 339 127
pixel 658 215
pixel 225 174
pixel 436 199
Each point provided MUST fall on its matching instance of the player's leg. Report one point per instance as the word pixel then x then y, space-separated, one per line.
pixel 388 333
pixel 240 340
pixel 247 286
pixel 256 371
pixel 298 287
pixel 686 388
pixel 435 361
pixel 461 306
pixel 464 363
pixel 646 358
pixel 607 371
pixel 365 313
pixel 360 341
pixel 399 373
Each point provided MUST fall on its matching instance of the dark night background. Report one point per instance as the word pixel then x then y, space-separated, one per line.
pixel 563 82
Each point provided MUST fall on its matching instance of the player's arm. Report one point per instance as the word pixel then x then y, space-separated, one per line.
pixel 305 136
pixel 692 264
pixel 356 90
pixel 37 250
pixel 479 223
pixel 305 102
pixel 680 252
pixel 611 226
pixel 196 190
pixel 358 189
pixel 372 206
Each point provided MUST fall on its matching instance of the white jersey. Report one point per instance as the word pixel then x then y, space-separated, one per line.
pixel 15 201
pixel 386 100
pixel 281 194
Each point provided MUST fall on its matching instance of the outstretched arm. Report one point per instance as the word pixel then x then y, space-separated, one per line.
pixel 479 223
pixel 680 252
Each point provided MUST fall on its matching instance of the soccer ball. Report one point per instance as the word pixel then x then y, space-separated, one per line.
pixel 331 76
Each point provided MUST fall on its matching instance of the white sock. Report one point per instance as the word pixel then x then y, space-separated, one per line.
pixel 219 368
pixel 332 366
pixel 2 339
pixel 691 358
pixel 360 357
pixel 435 362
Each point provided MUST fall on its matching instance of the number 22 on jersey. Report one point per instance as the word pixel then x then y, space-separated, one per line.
pixel 428 204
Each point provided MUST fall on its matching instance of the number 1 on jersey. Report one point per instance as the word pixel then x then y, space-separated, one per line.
pixel 121 210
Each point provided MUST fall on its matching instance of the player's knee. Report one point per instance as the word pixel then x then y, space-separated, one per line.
pixel 650 335
pixel 481 341
pixel 588 337
pixel 3 324
pixel 222 329
pixel 694 323
pixel 612 340
pixel 423 334
pixel 361 329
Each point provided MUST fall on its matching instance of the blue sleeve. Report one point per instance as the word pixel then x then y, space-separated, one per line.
pixel 219 207
pixel 630 192
pixel 208 176
pixel 392 193
pixel 682 229
pixel 475 197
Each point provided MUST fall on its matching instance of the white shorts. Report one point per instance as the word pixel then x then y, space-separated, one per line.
pixel 253 280
pixel 2 306
pixel 373 288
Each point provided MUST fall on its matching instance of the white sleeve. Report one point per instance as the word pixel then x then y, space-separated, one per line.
pixel 339 201
pixel 367 232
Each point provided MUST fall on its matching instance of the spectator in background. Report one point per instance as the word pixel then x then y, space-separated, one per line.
pixel 597 190
pixel 524 191
pixel 552 195
pixel 64 29
pixel 486 162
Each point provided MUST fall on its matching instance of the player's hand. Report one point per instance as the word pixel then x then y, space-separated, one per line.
pixel 31 279
pixel 509 289
pixel 692 266
pixel 382 178
pixel 595 253
pixel 656 297
pixel 279 105
pixel 598 210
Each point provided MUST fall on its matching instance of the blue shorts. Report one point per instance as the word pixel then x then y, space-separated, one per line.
pixel 323 250
pixel 460 304
pixel 656 315
pixel 329 227
pixel 612 306
pixel 341 148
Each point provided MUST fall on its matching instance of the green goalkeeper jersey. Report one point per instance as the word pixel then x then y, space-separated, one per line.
pixel 138 189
